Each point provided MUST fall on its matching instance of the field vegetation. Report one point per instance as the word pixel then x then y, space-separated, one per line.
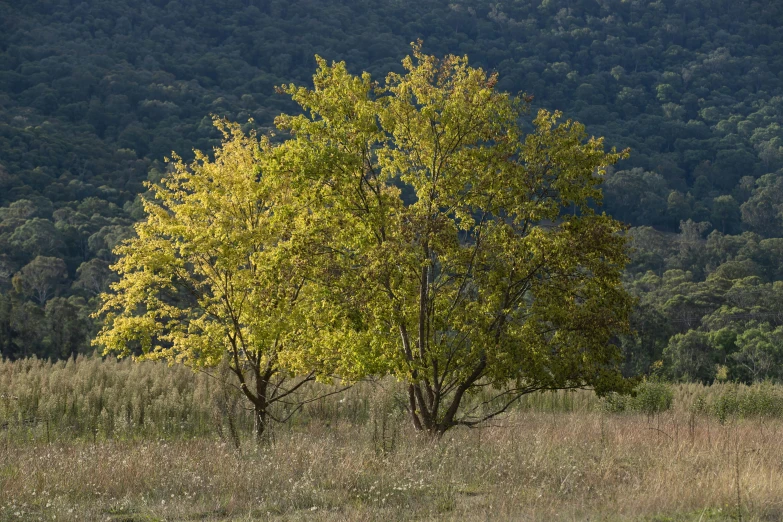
pixel 97 439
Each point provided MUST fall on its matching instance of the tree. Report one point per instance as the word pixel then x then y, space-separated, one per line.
pixel 5 270
pixel 40 277
pixel 499 275
pixel 210 276
pixel 36 237
pixel 7 332
pixel 760 352
pixel 725 214
pixel 649 250
pixel 691 253
pixel 103 242
pixel 93 276
pixel 636 196
pixel 690 357
pixel 761 213
pixel 651 332
pixel 68 326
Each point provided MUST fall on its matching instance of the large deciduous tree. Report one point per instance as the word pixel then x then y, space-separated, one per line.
pixel 211 276
pixel 461 239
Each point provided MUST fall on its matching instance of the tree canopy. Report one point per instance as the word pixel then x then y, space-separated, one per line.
pixel 498 273
pixel 209 276
pixel 305 256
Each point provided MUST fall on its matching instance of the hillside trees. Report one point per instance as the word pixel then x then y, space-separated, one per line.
pixel 498 275
pixel 212 276
pixel 93 98
pixel 693 87
pixel 39 278
pixel 706 306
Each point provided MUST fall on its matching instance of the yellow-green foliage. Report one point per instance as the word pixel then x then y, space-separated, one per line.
pixel 496 273
pixel 208 272
pixel 480 278
pixel 213 275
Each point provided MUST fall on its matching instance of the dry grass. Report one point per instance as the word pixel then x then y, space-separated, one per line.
pixel 536 466
pixel 97 439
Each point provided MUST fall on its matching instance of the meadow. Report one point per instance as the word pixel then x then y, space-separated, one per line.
pixel 95 439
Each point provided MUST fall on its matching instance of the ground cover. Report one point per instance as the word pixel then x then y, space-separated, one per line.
pixel 133 442
pixel 533 466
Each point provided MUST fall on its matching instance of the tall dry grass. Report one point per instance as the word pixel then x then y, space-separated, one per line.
pixel 94 439
pixel 102 398
pixel 92 396
pixel 534 466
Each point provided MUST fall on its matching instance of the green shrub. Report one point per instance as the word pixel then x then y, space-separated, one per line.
pixel 649 397
pixel 738 400
pixel 653 397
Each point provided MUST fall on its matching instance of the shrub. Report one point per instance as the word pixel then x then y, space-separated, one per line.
pixel 649 397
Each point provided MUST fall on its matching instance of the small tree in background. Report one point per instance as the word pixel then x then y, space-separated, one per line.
pixel 465 249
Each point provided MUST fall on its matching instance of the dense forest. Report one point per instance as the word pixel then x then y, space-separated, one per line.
pixel 94 95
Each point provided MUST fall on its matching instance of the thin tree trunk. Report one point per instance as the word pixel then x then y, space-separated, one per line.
pixel 259 421
pixel 412 405
pixel 259 399
pixel 261 403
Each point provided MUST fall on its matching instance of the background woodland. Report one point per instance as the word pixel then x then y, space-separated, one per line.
pixel 93 96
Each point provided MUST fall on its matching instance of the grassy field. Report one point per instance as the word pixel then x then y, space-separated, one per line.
pixel 714 454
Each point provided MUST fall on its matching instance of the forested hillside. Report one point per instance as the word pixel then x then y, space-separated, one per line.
pixel 94 94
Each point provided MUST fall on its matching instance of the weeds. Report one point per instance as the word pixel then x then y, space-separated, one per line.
pixel 92 398
pixel 724 401
pixel 650 398
pixel 536 466
pixel 93 439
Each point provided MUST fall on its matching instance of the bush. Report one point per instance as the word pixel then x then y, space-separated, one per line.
pixel 649 397
pixel 737 400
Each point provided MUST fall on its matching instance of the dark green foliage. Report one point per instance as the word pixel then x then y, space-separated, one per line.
pixel 94 95
pixel 708 307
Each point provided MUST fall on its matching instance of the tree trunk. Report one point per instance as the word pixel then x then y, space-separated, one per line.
pixel 261 404
pixel 412 405
pixel 259 421
pixel 425 415
pixel 432 428
pixel 259 400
